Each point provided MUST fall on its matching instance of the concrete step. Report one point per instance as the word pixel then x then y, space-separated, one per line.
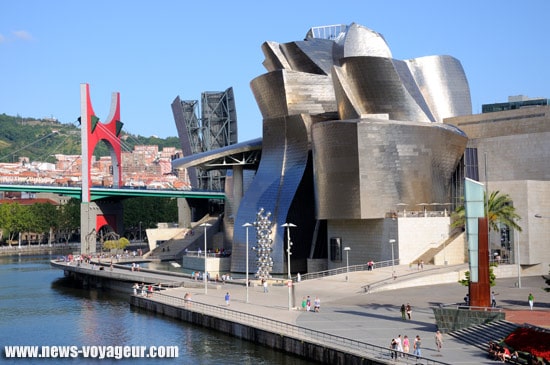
pixel 480 335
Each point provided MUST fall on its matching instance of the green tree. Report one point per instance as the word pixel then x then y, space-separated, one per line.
pixel 69 218
pixel 9 220
pixel 149 211
pixel 499 211
pixel 118 244
pixel 46 218
pixel 492 278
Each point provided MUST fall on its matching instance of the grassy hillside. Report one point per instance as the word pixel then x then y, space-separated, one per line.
pixel 40 139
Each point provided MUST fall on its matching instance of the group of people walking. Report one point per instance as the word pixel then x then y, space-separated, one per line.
pixel 306 304
pixel 400 347
pixel 406 311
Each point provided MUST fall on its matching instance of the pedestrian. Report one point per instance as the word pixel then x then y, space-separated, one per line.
pixel 317 304
pixel 393 348
pixel 408 309
pixel 403 309
pixel 406 346
pixel 531 300
pixel 227 297
pixel 438 340
pixel 264 282
pixel 417 345
pixel 304 303
pixel 493 299
pixel 298 277
pixel 308 303
pixel 399 345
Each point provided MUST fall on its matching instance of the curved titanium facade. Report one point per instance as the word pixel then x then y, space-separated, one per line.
pixel 348 133
pixel 407 162
pixel 283 163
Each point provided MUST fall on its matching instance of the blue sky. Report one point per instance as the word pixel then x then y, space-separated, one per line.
pixel 153 51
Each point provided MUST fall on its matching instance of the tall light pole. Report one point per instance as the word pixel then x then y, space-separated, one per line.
pixel 204 275
pixel 444 244
pixel 140 232
pixel 288 245
pixel 392 241
pixel 347 249
pixel 246 225
pixel 519 264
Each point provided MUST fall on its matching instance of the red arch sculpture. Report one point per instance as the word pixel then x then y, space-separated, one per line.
pixel 94 132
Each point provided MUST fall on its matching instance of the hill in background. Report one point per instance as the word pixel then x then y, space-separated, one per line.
pixel 40 139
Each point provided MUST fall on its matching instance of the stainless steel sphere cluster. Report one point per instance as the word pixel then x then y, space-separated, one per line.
pixel 264 261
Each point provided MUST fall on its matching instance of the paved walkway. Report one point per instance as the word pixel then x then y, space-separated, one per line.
pixel 347 311
pixel 375 318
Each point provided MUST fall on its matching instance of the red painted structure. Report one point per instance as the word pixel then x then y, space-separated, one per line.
pixel 480 292
pixel 105 220
pixel 108 132
pixel 94 216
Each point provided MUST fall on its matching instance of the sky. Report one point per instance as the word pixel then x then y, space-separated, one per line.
pixel 153 51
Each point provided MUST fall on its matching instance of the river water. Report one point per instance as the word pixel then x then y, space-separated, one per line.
pixel 39 307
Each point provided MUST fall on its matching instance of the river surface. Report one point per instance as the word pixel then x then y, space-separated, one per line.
pixel 39 307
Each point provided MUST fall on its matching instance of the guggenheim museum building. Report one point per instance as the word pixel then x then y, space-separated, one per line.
pixel 363 157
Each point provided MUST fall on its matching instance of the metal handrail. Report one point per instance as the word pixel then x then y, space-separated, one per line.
pixel 351 346
pixel 343 270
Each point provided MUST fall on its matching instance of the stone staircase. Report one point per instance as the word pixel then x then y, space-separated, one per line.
pixel 428 256
pixel 174 249
pixel 480 335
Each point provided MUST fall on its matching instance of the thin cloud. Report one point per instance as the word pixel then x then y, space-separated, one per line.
pixel 22 35
pixel 2 38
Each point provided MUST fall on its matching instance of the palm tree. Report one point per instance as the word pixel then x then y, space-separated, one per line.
pixel 499 210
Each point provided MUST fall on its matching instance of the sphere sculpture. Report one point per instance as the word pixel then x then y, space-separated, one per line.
pixel 263 249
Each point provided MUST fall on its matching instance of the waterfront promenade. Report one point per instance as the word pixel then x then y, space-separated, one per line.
pixel 374 318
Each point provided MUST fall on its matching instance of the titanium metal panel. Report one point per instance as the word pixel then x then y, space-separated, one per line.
pixel 362 41
pixel 284 92
pixel 377 88
pixel 393 161
pixel 284 159
pixel 316 55
pixel 443 83
pixel 274 57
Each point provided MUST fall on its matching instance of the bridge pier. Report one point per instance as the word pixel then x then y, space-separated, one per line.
pixel 94 216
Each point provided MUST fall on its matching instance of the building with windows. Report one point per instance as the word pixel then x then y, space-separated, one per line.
pixel 509 150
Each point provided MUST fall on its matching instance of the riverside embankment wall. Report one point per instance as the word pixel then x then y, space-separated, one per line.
pixel 275 340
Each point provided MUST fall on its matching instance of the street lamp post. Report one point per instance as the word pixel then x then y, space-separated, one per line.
pixel 519 265
pixel 140 232
pixel 204 275
pixel 444 247
pixel 246 225
pixel 288 245
pixel 347 249
pixel 392 241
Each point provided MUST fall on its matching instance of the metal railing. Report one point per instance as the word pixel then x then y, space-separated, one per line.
pixel 343 270
pixel 344 344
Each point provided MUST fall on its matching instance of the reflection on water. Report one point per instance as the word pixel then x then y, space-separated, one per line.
pixel 39 306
